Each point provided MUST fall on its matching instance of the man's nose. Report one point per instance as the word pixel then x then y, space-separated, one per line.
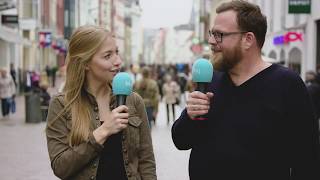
pixel 212 40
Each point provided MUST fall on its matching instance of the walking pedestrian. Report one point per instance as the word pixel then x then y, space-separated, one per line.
pixel 260 121
pixel 7 92
pixel 147 88
pixel 171 96
pixel 89 137
pixel 13 73
pixel 313 87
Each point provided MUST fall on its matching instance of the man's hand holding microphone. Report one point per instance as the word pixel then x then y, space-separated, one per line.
pixel 198 103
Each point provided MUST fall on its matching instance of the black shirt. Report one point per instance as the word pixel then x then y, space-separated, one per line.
pixel 259 129
pixel 111 164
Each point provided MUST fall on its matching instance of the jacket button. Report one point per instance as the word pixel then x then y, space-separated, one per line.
pixel 97 117
pixel 95 109
pixel 95 165
pixel 126 162
pixel 124 150
pixel 92 177
pixel 129 174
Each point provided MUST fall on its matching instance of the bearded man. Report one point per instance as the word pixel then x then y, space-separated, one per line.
pixel 260 120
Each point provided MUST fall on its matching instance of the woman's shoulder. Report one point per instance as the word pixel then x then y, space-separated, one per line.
pixel 135 97
pixel 135 103
pixel 58 98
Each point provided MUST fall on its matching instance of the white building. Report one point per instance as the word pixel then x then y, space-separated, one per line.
pixel 10 39
pixel 292 38
pixel 88 12
pixel 178 43
pixel 136 34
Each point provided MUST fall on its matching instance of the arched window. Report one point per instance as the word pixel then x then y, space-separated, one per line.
pixel 272 54
pixel 295 56
pixel 282 57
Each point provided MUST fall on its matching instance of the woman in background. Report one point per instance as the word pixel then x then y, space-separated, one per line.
pixel 171 95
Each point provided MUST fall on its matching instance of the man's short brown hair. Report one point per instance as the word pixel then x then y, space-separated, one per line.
pixel 249 18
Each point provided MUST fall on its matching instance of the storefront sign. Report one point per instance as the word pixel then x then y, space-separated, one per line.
pixel 299 6
pixel 286 38
pixel 9 19
pixel 196 48
pixel 45 39
pixel 59 46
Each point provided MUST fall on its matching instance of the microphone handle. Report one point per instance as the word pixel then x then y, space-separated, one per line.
pixel 202 87
pixel 121 100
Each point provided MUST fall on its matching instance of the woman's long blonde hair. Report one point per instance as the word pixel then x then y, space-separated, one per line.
pixel 84 43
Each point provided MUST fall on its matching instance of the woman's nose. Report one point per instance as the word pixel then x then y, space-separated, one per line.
pixel 118 61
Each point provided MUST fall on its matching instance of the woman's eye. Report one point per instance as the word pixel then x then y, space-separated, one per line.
pixel 117 52
pixel 107 56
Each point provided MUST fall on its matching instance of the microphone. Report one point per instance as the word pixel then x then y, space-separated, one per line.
pixel 122 87
pixel 202 72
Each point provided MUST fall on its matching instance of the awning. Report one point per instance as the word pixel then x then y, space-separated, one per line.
pixel 13 37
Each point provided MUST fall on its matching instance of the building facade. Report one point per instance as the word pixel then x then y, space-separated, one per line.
pixel 292 38
pixel 10 38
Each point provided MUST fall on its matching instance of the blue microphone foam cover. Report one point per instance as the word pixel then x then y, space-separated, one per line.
pixel 202 70
pixel 122 84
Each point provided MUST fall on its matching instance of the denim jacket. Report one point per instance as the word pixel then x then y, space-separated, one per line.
pixel 81 162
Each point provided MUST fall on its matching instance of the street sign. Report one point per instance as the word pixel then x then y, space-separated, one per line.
pixel 45 39
pixel 299 6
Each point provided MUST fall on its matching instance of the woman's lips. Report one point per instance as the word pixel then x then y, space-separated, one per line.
pixel 114 72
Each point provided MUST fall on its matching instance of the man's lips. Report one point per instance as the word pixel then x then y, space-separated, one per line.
pixel 215 49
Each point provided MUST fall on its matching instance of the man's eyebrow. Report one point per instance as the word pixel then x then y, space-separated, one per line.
pixel 215 30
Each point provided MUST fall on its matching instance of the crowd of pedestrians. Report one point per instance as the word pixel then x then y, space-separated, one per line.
pixel 162 83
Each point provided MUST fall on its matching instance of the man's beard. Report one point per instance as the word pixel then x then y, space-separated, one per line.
pixel 226 60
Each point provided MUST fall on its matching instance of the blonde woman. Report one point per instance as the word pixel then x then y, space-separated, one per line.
pixel 87 136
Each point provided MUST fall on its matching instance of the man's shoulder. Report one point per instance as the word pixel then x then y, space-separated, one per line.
pixel 286 78
pixel 284 73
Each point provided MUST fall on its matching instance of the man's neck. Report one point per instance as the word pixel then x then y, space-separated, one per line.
pixel 247 68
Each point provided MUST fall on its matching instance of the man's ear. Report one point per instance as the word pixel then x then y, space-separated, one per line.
pixel 250 39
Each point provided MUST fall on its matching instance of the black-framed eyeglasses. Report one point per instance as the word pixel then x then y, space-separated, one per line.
pixel 218 35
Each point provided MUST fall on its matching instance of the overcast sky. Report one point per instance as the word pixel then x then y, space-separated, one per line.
pixel 165 13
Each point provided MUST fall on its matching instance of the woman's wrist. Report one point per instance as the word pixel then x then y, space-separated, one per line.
pixel 100 135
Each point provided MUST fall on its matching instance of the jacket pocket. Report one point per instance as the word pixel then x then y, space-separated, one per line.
pixel 134 132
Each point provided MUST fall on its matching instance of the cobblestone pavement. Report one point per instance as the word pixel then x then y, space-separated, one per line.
pixel 24 156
